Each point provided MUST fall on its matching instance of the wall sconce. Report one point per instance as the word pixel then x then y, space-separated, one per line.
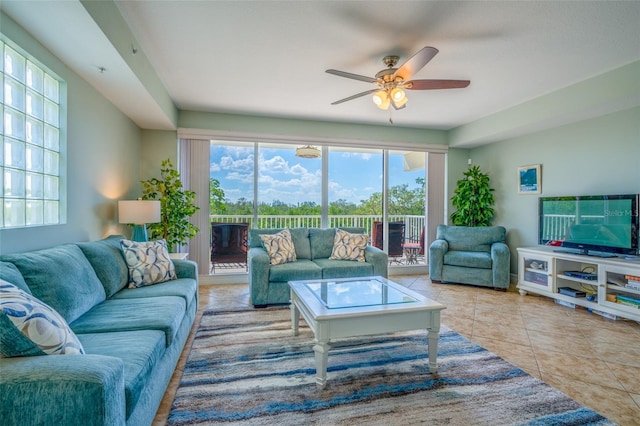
pixel 139 213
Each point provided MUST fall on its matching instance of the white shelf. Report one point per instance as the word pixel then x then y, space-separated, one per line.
pixel 555 264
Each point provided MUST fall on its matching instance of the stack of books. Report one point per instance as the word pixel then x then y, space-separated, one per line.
pixel 633 282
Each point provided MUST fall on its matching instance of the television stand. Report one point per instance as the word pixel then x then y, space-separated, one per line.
pixel 587 253
pixel 614 293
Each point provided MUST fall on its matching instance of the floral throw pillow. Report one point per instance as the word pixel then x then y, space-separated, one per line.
pixel 279 247
pixel 148 262
pixel 348 246
pixel 30 327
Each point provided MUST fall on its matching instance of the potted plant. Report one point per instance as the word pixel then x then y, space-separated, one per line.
pixel 176 207
pixel 473 199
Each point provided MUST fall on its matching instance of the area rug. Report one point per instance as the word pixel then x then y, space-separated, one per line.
pixel 246 367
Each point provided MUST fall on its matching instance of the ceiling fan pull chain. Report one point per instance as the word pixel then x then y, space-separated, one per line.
pixel 390 116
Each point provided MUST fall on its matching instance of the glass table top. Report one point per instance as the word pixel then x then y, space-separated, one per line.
pixel 356 293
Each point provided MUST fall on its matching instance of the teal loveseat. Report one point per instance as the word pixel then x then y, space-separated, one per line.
pixel 269 284
pixel 470 255
pixel 132 338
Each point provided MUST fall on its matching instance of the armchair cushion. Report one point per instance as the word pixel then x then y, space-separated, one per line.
pixel 469 259
pixel 477 238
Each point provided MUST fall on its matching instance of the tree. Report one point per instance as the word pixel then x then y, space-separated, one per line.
pixel 217 203
pixel 176 206
pixel 474 199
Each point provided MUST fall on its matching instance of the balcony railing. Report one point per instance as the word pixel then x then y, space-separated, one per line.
pixel 414 226
pixel 412 231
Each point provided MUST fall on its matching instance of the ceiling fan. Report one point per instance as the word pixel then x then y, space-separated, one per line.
pixel 392 81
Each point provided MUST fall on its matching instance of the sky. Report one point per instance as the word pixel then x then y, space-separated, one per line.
pixel 354 176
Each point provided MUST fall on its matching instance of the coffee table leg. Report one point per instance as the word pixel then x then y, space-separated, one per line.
pixel 322 355
pixel 433 335
pixel 295 317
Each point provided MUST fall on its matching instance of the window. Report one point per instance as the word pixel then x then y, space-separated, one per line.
pixel 30 177
pixel 265 185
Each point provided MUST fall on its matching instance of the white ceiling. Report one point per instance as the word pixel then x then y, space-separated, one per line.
pixel 268 58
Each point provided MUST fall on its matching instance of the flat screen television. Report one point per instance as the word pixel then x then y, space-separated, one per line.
pixel 597 225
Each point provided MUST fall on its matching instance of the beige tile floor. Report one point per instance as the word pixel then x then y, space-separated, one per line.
pixel 594 360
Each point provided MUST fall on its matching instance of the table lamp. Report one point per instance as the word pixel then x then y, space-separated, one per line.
pixel 139 213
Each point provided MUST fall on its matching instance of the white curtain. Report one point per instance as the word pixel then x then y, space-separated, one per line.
pixel 194 164
pixel 435 196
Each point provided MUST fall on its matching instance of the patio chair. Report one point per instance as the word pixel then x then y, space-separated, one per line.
pixel 396 239
pixel 229 245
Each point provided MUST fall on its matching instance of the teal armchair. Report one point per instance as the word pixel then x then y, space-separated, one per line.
pixel 470 255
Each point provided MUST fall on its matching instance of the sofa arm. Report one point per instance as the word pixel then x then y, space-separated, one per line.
pixel 62 389
pixel 379 259
pixel 437 250
pixel 186 268
pixel 258 275
pixel 501 264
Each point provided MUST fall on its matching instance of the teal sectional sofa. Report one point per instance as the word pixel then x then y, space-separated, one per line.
pixel 132 337
pixel 269 284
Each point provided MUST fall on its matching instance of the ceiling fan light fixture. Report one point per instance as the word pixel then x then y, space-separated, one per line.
pixel 398 95
pixel 308 151
pixel 381 99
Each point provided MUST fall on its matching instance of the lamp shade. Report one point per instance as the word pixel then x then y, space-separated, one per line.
pixel 139 212
pixel 381 99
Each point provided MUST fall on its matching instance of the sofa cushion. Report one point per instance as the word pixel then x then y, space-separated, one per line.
pixel 321 240
pixel 148 262
pixel 164 313
pixel 187 288
pixel 139 350
pixel 10 273
pixel 29 327
pixel 344 268
pixel 107 260
pixel 348 246
pixel 299 270
pixel 469 259
pixel 279 247
pixel 300 237
pixel 61 277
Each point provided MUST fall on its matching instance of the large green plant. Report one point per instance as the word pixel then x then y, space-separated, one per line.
pixel 176 205
pixel 474 199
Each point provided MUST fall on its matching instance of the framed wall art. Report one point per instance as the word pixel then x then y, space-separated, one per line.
pixel 530 179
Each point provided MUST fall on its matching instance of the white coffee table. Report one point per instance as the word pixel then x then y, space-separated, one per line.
pixel 349 307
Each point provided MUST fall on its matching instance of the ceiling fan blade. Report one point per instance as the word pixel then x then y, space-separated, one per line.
pixel 352 76
pixel 436 84
pixel 416 62
pixel 359 95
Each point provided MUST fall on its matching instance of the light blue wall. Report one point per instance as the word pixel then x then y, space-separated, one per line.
pixel 596 156
pixel 308 128
pixel 103 147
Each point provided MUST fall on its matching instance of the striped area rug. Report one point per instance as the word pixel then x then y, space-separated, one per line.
pixel 245 367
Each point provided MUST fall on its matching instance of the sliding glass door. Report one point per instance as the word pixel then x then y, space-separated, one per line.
pixel 265 185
